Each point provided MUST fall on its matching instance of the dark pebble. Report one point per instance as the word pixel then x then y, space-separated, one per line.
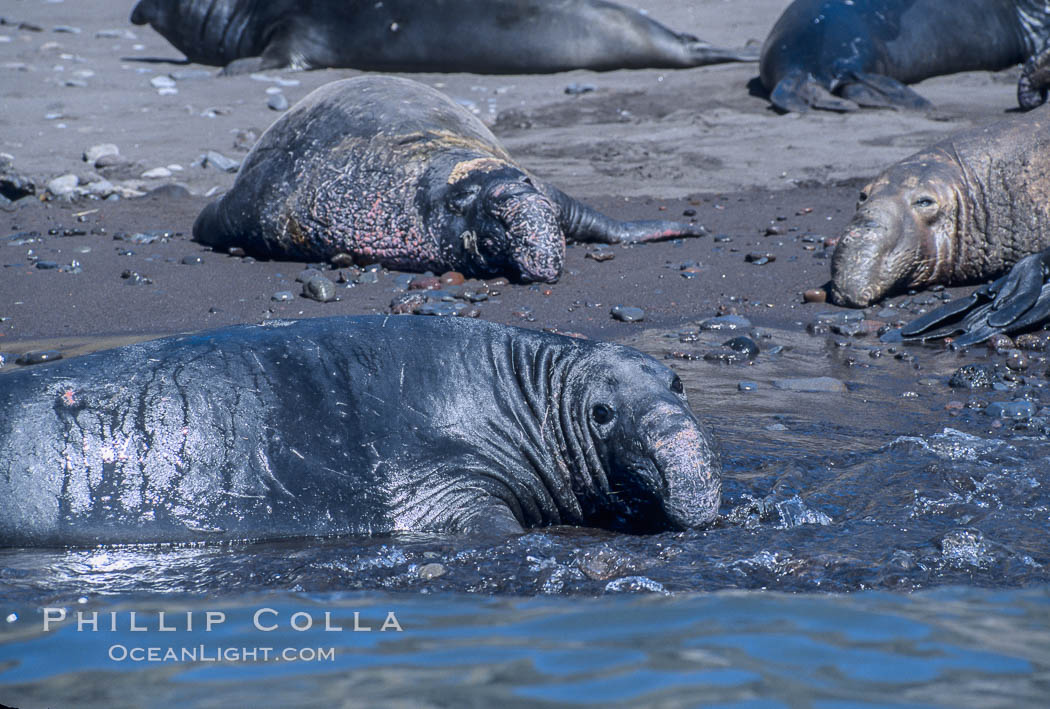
pixel 134 278
pixel 759 259
pixel 424 283
pixel 689 212
pixel 192 260
pixel 235 251
pixel 627 313
pixel 577 89
pixel 46 265
pixel 38 357
pixel 973 376
pixel 1011 409
pixel 600 256
pixel 743 345
pixel 342 260
pixel 283 296
pixel 815 295
pixel 307 274
pixel 319 288
pixel 746 386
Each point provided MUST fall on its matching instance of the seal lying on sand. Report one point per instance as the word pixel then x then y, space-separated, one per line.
pixel 840 56
pixel 391 171
pixel 349 425
pixel 962 211
pixel 481 36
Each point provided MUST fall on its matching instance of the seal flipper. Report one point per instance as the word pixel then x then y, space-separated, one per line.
pixel 798 91
pixel 1034 82
pixel 880 91
pixel 582 223
pixel 1014 303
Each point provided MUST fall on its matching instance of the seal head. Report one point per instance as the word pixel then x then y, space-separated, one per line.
pixel 903 234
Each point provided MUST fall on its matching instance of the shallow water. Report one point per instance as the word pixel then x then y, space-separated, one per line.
pixel 876 487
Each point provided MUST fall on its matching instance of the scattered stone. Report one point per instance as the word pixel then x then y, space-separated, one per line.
pixel 319 288
pixel 627 313
pixel 133 278
pixel 191 260
pixel 342 260
pixel 235 251
pixel 63 186
pixel 973 376
pixel 307 274
pixel 408 303
pixel 283 296
pixel 277 102
pixel 811 384
pixel 815 295
pixel 424 283
pixel 220 162
pixel 92 154
pixel 1021 410
pixel 47 265
pixel 575 89
pixel 759 259
pixel 746 386
pixel 452 278
pixel 38 357
pixel 1016 360
pixel 156 173
pixel 600 256
pixel 431 571
pixel 189 74
pixel 162 82
pixel 744 345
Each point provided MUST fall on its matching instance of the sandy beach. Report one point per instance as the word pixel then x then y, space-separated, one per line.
pixel 642 144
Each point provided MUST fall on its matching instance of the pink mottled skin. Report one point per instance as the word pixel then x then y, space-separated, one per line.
pixel 391 171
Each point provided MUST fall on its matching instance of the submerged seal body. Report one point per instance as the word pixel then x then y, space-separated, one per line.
pixel 843 54
pixel 391 171
pixel 962 211
pixel 481 36
pixel 349 425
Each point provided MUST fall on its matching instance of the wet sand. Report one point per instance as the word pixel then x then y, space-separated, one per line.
pixel 643 144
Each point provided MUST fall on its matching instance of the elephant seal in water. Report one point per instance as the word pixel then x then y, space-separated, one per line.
pixel 962 211
pixel 480 36
pixel 391 171
pixel 840 55
pixel 349 425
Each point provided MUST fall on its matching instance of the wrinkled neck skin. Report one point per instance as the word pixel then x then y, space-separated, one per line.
pixel 895 241
pixel 1034 17
pixel 491 219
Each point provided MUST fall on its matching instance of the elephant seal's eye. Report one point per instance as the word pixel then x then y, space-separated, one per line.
pixel 924 202
pixel 863 197
pixel 676 386
pixel 602 414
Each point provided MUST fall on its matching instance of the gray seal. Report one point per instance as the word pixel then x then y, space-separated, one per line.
pixel 349 425
pixel 480 36
pixel 391 171
pixel 962 211
pixel 842 55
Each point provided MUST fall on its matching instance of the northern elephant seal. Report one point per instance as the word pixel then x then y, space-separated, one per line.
pixel 392 171
pixel 1034 82
pixel 349 425
pixel 962 211
pixel 480 36
pixel 840 55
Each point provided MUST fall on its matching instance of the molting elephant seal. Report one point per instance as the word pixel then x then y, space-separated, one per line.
pixel 349 425
pixel 392 171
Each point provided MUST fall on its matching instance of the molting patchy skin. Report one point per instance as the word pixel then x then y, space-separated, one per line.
pixel 962 211
pixel 391 171
pixel 481 36
pixel 841 56
pixel 349 426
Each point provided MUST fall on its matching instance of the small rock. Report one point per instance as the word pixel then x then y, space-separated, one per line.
pixel 63 186
pixel 283 296
pixel 92 154
pixel 744 345
pixel 973 376
pixel 307 274
pixel 342 260
pixel 424 283
pixel 277 102
pixel 319 288
pixel 759 259
pixel 191 260
pixel 815 295
pixel 431 571
pixel 452 278
pixel 220 162
pixel 156 173
pixel 46 265
pixel 1016 360
pixel 162 82
pixel 627 313
pixel 235 251
pixel 746 386
pixel 810 384
pixel 600 256
pixel 575 89
pixel 1021 410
